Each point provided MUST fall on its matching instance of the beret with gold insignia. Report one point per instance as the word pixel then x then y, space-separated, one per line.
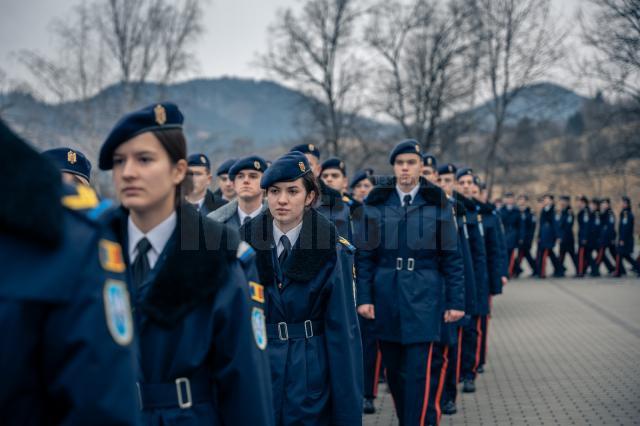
pixel 70 161
pixel 408 146
pixel 156 117
pixel 307 148
pixel 287 168
pixel 253 162
pixel 334 163
pixel 199 159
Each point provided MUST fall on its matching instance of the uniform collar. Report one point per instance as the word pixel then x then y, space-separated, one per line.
pixel 242 214
pixel 412 193
pixel 158 236
pixel 292 235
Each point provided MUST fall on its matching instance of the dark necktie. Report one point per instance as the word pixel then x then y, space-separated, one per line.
pixel 287 248
pixel 246 219
pixel 140 267
pixel 406 200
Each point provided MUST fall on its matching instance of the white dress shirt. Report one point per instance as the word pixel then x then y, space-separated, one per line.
pixel 413 193
pixel 242 214
pixel 292 235
pixel 158 237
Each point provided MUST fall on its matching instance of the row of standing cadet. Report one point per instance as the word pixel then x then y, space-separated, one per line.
pixel 597 236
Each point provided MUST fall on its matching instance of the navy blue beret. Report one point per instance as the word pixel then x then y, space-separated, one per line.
pixel 465 171
pixel 70 161
pixel 163 116
pixel 223 169
pixel 252 162
pixel 360 176
pixel 430 160
pixel 595 200
pixel 334 163
pixel 508 194
pixel 199 160
pixel 606 200
pixel 409 146
pixel 287 168
pixel 307 148
pixel 447 169
pixel 477 182
pixel 548 195
pixel 584 199
pixel 626 199
pixel 565 198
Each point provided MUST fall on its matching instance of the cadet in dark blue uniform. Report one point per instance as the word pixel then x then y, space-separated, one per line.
pixel 430 168
pixel 67 356
pixel 410 277
pixel 74 166
pixel 201 344
pixel 625 239
pixel 583 234
pixel 200 173
pixel 314 340
pixel 526 233
pixel 246 174
pixel 452 332
pixel 565 227
pixel 593 237
pixel 607 236
pixel 547 237
pixel 511 220
pixel 472 334
pixel 225 191
pixel 361 185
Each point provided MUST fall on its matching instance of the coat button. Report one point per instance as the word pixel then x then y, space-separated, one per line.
pixel 280 286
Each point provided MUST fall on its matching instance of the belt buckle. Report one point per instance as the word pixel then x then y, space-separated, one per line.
pixel 411 263
pixel 187 385
pixel 283 331
pixel 398 264
pixel 308 329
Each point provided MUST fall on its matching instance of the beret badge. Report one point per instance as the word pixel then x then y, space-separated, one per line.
pixel 161 114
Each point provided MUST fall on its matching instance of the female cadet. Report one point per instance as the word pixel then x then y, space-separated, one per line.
pixel 314 341
pixel 199 361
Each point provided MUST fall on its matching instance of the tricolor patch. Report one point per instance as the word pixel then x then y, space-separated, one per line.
pixel 257 292
pixel 111 256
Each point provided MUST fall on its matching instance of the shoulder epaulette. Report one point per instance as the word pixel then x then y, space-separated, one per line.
pixel 347 244
pixel 82 198
pixel 347 200
pixel 245 252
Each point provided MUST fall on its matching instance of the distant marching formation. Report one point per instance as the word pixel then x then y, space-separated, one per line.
pixel 279 299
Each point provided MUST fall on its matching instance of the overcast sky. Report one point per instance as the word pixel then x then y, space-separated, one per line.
pixel 235 32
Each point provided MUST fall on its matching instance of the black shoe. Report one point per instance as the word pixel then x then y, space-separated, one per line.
pixel 449 408
pixel 368 407
pixel 480 369
pixel 468 386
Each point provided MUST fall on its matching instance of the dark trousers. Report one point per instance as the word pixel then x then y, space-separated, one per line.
pixel 471 348
pixel 454 366
pixel 620 269
pixel 525 252
pixel 414 375
pixel 541 260
pixel 371 358
pixel 583 262
pixel 569 249
pixel 484 324
pixel 592 261
pixel 603 258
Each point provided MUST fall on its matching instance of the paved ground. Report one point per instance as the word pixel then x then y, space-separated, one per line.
pixel 561 352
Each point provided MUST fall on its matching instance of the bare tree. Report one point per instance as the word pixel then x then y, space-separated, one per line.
pixel 420 46
pixel 314 51
pixel 518 44
pixel 612 31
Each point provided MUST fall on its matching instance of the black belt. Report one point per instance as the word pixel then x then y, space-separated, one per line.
pixel 182 393
pixel 301 330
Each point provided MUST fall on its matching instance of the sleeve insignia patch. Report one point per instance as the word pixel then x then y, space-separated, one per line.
pixel 257 292
pixel 111 256
pixel 259 328
pixel 118 311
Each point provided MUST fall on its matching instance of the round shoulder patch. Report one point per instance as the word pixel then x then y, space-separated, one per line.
pixel 118 311
pixel 259 328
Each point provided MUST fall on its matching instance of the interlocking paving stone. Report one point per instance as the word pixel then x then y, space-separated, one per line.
pixel 561 352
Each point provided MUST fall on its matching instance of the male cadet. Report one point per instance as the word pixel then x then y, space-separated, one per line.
pixel 625 240
pixel 225 191
pixel 472 334
pixel 526 233
pixel 67 352
pixel 607 235
pixel 330 203
pixel 249 202
pixel 73 165
pixel 496 263
pixel 565 227
pixel 200 172
pixel 511 220
pixel 583 233
pixel 547 237
pixel 410 276
pixel 593 237
pixel 333 173
pixel 430 168
pixel 452 333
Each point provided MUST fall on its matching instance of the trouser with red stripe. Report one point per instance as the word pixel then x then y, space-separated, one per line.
pixel 454 366
pixel 603 258
pixel 512 261
pixel 484 324
pixel 371 358
pixel 416 379
pixel 525 252
pixel 471 348
pixel 571 251
pixel 620 269
pixel 543 255
pixel 583 261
